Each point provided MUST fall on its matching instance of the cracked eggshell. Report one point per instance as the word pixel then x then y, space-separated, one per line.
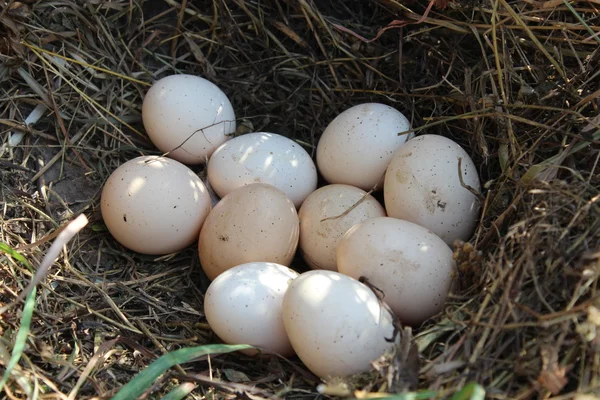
pixel 243 306
pixel 357 146
pixel 263 157
pixel 187 116
pixel 321 231
pixel 154 205
pixel 335 323
pixel 410 264
pixel 422 185
pixel 256 222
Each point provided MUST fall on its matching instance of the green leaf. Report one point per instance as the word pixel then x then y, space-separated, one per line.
pixel 21 336
pixel 472 391
pixel 148 376
pixel 99 228
pixel 14 254
pixel 25 318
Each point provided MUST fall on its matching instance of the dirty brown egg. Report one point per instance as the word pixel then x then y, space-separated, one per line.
pixel 336 325
pixel 422 185
pixel 256 222
pixel 326 215
pixel 412 266
pixel 154 205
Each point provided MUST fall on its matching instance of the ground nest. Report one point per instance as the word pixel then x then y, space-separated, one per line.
pixel 515 83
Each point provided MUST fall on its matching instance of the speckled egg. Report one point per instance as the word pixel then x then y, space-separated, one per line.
pixel 336 325
pixel 263 157
pixel 243 306
pixel 412 266
pixel 256 222
pixel 154 205
pixel 326 215
pixel 357 146
pixel 187 116
pixel 422 185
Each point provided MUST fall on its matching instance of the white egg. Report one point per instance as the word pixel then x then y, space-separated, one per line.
pixel 422 185
pixel 326 215
pixel 411 265
pixel 187 116
pixel 154 205
pixel 263 157
pixel 243 306
pixel 336 324
pixel 357 146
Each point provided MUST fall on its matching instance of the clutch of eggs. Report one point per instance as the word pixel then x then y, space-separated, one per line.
pixel 270 206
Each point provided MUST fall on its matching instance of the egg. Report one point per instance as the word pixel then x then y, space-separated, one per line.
pixel 336 325
pixel 326 215
pixel 154 205
pixel 422 185
pixel 411 265
pixel 357 146
pixel 256 222
pixel 263 157
pixel 188 117
pixel 243 306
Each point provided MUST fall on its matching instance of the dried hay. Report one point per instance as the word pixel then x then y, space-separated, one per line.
pixel 517 84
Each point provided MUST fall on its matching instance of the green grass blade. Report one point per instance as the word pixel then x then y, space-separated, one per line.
pixel 580 18
pixel 4 248
pixel 148 376
pixel 25 318
pixel 471 391
pixel 21 336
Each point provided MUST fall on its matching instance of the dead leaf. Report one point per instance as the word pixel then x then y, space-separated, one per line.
pixel 235 376
pixel 552 376
pixel 588 98
pixel 286 30
pixel 546 170
pixel 594 122
pixel 401 366
pixel 19 10
pixel 209 71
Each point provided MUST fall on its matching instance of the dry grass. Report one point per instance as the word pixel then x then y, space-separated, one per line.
pixel 516 83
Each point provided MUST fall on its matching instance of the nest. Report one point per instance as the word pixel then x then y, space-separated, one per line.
pixel 514 83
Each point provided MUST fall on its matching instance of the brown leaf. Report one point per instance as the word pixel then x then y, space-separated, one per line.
pixel 19 10
pixel 235 376
pixel 209 71
pixel 552 376
pixel 400 367
pixel 442 4
pixel 286 30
